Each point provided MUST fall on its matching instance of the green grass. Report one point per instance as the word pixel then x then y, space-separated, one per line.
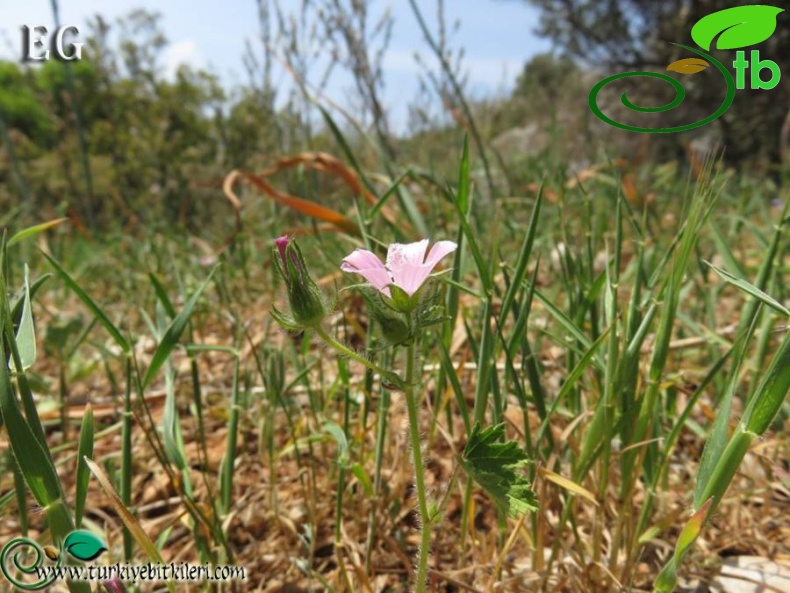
pixel 621 344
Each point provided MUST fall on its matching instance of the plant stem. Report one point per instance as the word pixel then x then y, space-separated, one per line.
pixel 414 428
pixel 346 351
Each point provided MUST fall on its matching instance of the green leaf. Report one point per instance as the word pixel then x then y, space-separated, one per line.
pixel 34 230
pixel 751 289
pixel 339 437
pixel 161 294
pixel 171 427
pixel 174 331
pixel 493 465
pixel 84 545
pixel 122 343
pixel 18 300
pixel 371 214
pixel 770 393
pixel 740 26
pixel 26 334
pixel 85 449
pixel 667 579
pixel 34 461
pixel 367 486
pixel 286 321
pixel 717 441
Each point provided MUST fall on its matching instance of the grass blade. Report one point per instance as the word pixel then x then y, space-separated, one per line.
pixel 85 450
pixel 26 334
pixel 751 290
pixel 34 230
pixel 174 331
pixel 131 523
pixel 122 343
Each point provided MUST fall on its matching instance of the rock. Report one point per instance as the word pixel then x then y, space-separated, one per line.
pixel 753 574
pixel 529 140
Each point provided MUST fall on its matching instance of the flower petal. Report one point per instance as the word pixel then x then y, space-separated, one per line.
pixel 282 243
pixel 361 259
pixel 411 278
pixel 366 264
pixel 405 263
pixel 400 254
pixel 438 251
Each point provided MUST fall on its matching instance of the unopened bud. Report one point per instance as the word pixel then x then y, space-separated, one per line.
pixel 307 305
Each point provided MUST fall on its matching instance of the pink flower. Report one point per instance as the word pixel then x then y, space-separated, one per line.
pixel 407 266
pixel 281 243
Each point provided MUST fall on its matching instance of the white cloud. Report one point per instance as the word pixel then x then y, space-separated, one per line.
pixel 182 52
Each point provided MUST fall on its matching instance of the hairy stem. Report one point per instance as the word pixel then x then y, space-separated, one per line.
pixel 414 428
pixel 390 377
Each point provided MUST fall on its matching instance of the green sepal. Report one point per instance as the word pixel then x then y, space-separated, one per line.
pixel 395 326
pixel 286 321
pixel 400 301
pixel 308 307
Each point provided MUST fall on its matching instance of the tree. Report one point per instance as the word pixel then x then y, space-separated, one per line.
pixel 621 35
pixel 19 108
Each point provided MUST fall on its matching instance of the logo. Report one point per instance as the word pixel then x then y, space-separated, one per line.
pixel 732 28
pixel 29 566
pixel 80 545
pixel 34 41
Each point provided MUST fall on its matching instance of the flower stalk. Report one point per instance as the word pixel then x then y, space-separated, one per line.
pixel 388 376
pixel 401 308
pixel 419 470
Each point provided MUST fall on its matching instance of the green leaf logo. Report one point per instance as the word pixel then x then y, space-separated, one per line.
pixel 740 26
pixel 84 545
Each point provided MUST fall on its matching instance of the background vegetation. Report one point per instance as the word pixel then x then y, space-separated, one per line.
pixel 583 309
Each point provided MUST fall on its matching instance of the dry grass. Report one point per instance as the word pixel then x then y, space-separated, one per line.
pixel 271 509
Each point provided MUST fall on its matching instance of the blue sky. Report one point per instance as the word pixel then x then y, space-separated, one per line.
pixel 497 36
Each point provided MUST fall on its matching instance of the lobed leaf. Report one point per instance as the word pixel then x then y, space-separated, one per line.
pixel 493 464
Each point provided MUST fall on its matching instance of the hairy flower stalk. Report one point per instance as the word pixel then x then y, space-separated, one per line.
pixel 398 305
pixel 412 401
pixel 402 309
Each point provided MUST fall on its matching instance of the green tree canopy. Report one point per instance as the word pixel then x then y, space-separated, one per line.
pixel 19 107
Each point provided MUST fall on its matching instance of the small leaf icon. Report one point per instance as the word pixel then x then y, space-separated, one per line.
pixel 688 66
pixel 84 545
pixel 51 552
pixel 740 26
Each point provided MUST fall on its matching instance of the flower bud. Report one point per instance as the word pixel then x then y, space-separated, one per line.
pixel 307 305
